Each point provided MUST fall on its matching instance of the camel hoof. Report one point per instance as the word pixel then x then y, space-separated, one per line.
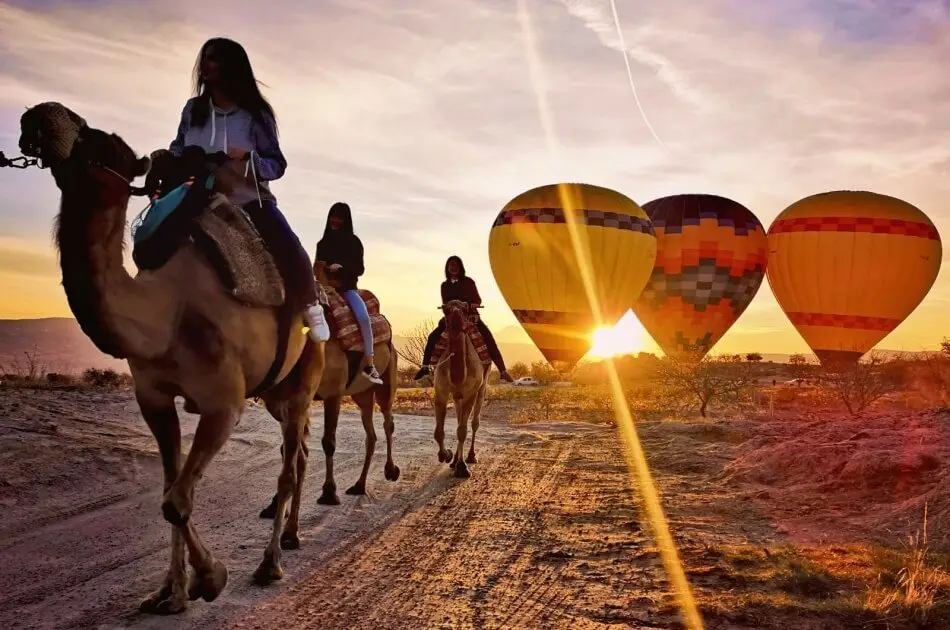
pixel 289 541
pixel 172 514
pixel 357 490
pixel 471 459
pixel 392 472
pixel 208 584
pixel 269 572
pixel 329 498
pixel 442 458
pixel 163 602
pixel 461 471
pixel 270 512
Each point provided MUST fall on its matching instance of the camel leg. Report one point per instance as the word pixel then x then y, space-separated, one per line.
pixel 365 401
pixel 463 411
pixel 293 433
pixel 172 597
pixel 458 449
pixel 214 428
pixel 476 418
pixel 291 537
pixel 384 398
pixel 331 410
pixel 441 409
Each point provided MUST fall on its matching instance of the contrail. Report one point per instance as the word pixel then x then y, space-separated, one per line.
pixel 633 87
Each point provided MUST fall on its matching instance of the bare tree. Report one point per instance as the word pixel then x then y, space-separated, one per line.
pixel 860 385
pixel 753 357
pixel 799 366
pixel 30 367
pixel 414 344
pixel 705 380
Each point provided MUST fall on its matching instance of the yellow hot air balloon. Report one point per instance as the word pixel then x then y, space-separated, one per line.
pixel 848 266
pixel 557 249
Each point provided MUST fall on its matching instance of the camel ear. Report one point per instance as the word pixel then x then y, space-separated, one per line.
pixel 142 165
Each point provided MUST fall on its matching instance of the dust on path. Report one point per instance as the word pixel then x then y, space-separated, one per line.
pixel 546 533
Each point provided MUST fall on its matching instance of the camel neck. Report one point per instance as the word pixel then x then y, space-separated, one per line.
pixel 107 302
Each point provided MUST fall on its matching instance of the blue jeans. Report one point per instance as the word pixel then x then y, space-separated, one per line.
pixel 362 318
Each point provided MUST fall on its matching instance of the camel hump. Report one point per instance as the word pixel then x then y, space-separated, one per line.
pixel 344 327
pixel 223 232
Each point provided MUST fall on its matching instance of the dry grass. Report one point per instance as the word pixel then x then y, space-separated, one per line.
pixel 917 590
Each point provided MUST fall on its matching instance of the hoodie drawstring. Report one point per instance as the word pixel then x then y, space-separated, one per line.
pixel 253 169
pixel 250 156
pixel 214 129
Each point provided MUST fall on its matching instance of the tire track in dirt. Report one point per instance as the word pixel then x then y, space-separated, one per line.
pixel 540 536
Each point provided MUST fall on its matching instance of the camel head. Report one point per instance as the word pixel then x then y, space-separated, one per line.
pixel 74 151
pixel 457 313
pixel 320 271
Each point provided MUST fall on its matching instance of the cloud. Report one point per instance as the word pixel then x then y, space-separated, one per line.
pixel 424 118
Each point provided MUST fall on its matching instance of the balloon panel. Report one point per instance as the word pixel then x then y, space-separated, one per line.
pixel 541 242
pixel 711 258
pixel 848 267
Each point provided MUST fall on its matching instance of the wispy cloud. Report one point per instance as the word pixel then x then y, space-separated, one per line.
pixel 423 117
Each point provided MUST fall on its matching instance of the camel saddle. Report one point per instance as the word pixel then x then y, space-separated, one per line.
pixel 344 327
pixel 185 209
pixel 481 348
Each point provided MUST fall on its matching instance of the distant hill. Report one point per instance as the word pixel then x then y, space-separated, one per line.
pixel 57 344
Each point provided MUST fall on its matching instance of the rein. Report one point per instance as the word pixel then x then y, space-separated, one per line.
pixel 21 162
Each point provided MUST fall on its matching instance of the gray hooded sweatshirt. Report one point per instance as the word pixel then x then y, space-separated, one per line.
pixel 230 128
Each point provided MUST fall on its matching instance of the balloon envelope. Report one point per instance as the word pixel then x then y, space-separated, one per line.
pixel 848 267
pixel 540 246
pixel 710 262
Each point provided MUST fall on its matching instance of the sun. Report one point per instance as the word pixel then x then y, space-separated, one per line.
pixel 627 336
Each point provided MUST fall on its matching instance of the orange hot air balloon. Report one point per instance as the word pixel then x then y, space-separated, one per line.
pixel 710 261
pixel 848 266
pixel 555 247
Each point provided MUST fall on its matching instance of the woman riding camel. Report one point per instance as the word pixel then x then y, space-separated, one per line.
pixel 229 114
pixel 458 286
pixel 342 251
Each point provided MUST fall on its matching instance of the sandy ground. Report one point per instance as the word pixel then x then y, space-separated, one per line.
pixel 546 534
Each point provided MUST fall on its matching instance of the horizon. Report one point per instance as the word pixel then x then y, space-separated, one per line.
pixel 422 127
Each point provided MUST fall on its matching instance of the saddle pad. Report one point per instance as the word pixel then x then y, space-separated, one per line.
pixel 345 328
pixel 481 348
pixel 227 235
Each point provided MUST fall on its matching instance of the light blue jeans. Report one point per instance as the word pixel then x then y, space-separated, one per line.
pixel 362 318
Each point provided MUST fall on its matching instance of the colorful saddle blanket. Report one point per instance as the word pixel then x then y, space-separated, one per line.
pixel 481 348
pixel 345 328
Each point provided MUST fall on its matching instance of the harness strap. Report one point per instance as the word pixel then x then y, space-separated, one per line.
pixel 284 319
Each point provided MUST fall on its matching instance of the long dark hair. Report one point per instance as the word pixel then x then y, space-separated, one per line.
pixel 342 210
pixel 235 78
pixel 460 264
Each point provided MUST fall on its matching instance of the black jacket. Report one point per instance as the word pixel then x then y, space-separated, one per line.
pixel 342 247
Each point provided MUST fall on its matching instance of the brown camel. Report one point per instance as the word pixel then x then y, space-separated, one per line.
pixel 183 335
pixel 464 377
pixel 333 387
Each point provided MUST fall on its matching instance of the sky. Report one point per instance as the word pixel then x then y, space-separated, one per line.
pixel 423 116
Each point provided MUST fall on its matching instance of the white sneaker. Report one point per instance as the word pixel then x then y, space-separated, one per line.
pixel 317 322
pixel 372 375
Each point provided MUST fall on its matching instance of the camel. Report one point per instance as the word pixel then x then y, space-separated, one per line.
pixel 182 334
pixel 333 387
pixel 464 377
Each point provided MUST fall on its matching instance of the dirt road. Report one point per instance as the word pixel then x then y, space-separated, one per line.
pixel 545 534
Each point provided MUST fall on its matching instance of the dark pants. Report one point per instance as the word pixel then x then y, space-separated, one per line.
pixel 292 260
pixel 493 351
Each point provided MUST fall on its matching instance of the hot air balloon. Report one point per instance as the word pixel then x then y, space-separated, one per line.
pixel 710 261
pixel 556 249
pixel 848 266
